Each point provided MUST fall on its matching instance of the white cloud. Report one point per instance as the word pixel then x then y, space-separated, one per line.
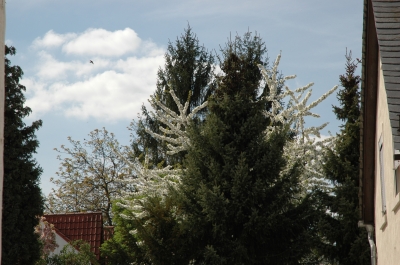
pixel 49 68
pixel 52 39
pixel 110 89
pixel 101 42
pixel 93 42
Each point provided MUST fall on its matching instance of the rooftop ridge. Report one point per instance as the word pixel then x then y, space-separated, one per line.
pixel 84 226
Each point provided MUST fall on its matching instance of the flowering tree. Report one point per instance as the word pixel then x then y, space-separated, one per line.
pixel 175 134
pixel 47 237
pixel 147 181
pixel 305 147
pixel 188 69
pixel 151 185
pixel 149 208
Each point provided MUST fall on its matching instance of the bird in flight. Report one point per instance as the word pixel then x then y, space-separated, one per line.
pixel 91 61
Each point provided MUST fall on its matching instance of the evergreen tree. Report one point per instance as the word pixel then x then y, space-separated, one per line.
pixel 346 243
pixel 122 248
pixel 239 208
pixel 234 204
pixel 188 70
pixel 218 208
pixel 22 200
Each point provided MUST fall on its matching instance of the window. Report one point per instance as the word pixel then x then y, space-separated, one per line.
pixel 381 165
pixel 397 180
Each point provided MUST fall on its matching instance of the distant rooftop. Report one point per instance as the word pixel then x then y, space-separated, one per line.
pixel 85 226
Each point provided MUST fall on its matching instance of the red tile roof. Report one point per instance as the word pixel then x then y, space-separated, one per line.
pixel 85 226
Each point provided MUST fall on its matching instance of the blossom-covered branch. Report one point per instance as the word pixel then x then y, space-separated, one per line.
pixel 305 148
pixel 47 236
pixel 175 133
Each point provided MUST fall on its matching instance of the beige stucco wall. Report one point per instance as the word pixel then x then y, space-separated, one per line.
pixel 61 244
pixel 387 226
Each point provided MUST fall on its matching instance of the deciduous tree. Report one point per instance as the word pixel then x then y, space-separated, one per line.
pixel 90 176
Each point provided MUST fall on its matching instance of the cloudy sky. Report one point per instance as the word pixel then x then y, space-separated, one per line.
pixel 127 39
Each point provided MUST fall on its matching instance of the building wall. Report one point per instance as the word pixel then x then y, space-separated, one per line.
pixel 387 225
pixel 61 243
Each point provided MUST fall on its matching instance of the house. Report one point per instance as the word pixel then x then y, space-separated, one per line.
pixel 380 130
pixel 85 226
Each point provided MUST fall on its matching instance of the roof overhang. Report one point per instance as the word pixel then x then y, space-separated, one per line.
pixel 369 87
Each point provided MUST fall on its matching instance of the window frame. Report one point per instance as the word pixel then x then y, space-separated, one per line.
pixel 382 174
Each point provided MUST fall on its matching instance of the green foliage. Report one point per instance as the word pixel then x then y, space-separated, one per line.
pixel 75 253
pixel 89 177
pixel 122 248
pixel 152 239
pixel 239 208
pixel 238 195
pixel 346 243
pixel 233 205
pixel 22 200
pixel 239 63
pixel 188 69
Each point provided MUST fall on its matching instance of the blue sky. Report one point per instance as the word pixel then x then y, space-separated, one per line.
pixel 127 40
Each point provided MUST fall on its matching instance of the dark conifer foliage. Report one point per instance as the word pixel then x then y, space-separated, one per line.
pixel 22 200
pixel 347 244
pixel 122 248
pixel 238 208
pixel 189 71
pixel 233 205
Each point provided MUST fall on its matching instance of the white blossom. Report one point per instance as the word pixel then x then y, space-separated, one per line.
pixel 155 182
pixel 175 133
pixel 305 148
pixel 144 182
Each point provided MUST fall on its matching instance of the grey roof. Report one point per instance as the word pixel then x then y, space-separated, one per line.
pixel 387 21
